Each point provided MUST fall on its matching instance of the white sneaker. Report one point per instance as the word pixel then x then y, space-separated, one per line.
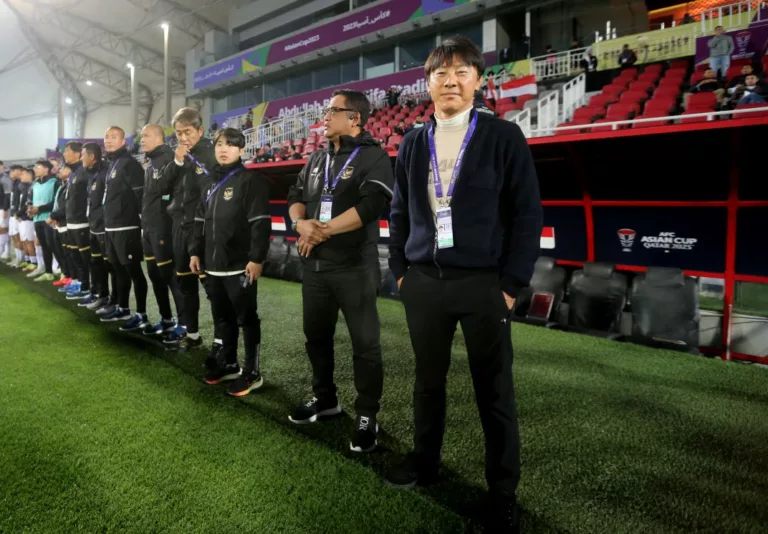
pixel 15 263
pixel 37 272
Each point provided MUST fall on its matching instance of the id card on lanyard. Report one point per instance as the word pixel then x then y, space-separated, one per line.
pixel 222 182
pixel 326 200
pixel 109 176
pixel 443 213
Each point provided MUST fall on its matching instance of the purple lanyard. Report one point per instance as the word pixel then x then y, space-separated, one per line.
pixel 222 182
pixel 456 165
pixel 114 166
pixel 338 176
pixel 200 165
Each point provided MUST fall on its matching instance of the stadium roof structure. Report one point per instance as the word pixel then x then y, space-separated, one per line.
pixel 86 45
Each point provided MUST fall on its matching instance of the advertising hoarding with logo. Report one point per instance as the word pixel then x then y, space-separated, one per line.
pixel 747 42
pixel 689 238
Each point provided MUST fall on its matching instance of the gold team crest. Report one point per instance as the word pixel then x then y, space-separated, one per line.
pixel 93 187
pixel 156 174
pixel 228 192
pixel 347 174
pixel 114 173
pixel 198 170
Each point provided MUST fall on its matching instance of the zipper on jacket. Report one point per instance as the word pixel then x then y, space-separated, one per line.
pixel 213 229
pixel 434 257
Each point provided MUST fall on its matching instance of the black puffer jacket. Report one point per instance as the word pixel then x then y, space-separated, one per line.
pixel 77 198
pixel 96 180
pixel 122 192
pixel 154 212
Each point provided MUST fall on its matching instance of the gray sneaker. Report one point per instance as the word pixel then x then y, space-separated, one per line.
pixel 106 310
pixel 98 304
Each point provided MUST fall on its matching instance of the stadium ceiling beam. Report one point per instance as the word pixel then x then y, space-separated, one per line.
pixel 181 17
pixel 89 33
pixel 57 71
pixel 24 56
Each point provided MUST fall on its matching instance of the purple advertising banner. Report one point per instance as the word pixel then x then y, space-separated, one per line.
pixel 355 25
pixel 747 43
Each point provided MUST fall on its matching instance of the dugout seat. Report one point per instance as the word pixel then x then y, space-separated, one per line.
pixel 387 283
pixel 276 257
pixel 665 309
pixel 547 278
pixel 293 271
pixel 597 297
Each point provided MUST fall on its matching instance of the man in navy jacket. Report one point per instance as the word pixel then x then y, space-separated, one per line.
pixel 464 241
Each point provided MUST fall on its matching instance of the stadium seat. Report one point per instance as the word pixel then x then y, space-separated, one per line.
pixel 666 92
pixel 659 105
pixel 597 129
pixel 394 139
pixel 665 309
pixel 651 115
pixel 550 279
pixel 633 97
pixel 763 113
pixel 571 131
pixel 521 100
pixel 691 120
pixel 588 113
pixel 696 77
pixel 308 149
pixel 704 101
pixel 733 71
pixel 597 297
pixel 679 64
pixel 384 132
pixel 293 270
pixel 277 255
pixel 642 85
pixel 601 100
pixel 622 111
pixel 655 68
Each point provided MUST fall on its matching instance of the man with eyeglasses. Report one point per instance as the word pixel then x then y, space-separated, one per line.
pixel 335 207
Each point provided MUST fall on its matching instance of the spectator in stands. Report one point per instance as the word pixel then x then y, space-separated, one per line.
pixel 392 96
pixel 335 206
pixel 720 50
pixel 262 156
pixel 588 61
pixel 754 91
pixel 268 150
pixel 418 122
pixel 687 19
pixel 290 153
pixel 708 84
pixel 575 45
pixel 627 58
pixel 549 50
pixel 746 70
pixel 447 275
pixel 400 128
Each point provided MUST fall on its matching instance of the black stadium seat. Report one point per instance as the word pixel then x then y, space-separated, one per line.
pixel 294 267
pixel 388 284
pixel 665 309
pixel 597 297
pixel 276 257
pixel 547 278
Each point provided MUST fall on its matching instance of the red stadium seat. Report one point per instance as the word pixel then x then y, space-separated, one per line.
pixel 733 71
pixel 308 149
pixel 377 124
pixel 654 67
pixel 634 96
pixel 651 115
pixel 394 139
pixel 692 120
pixel 521 100
pixel 696 77
pixel 676 72
pixel 622 109
pixel 706 101
pixel 408 121
pixel 642 85
pixel 595 129
pixel 659 105
pixel 601 100
pixel 679 63
pixel 666 92
pixel 763 113
pixel 560 131
pixel 587 113
pixel 702 67
pixel 384 132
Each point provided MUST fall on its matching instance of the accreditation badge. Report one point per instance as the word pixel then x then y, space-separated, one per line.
pixel 444 228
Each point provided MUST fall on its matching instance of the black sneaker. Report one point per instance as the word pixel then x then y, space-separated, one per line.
pixel 313 410
pixel 244 384
pixel 411 472
pixel 364 438
pixel 187 344
pixel 505 515
pixel 222 374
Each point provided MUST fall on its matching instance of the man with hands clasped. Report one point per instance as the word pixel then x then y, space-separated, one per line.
pixel 335 207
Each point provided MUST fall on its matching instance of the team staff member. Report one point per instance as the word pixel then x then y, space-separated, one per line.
pixel 465 229
pixel 78 229
pixel 335 206
pixel 13 224
pixel 43 194
pixel 122 221
pixel 95 170
pixel 189 175
pixel 61 242
pixel 157 229
pixel 231 245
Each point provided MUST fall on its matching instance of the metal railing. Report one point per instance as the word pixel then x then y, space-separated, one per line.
pixel 740 13
pixel 279 131
pixel 523 120
pixel 548 116
pixel 558 65
pixel 574 95
pixel 616 125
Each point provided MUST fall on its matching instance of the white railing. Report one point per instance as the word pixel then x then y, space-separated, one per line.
pixel 558 65
pixel 741 13
pixel 574 95
pixel 279 131
pixel 616 125
pixel 548 115
pixel 523 120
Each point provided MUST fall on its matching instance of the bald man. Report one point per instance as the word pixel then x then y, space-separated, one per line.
pixel 156 227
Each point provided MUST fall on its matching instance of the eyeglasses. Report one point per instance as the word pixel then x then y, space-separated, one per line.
pixel 333 111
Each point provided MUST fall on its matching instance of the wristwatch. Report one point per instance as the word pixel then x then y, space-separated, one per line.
pixel 295 223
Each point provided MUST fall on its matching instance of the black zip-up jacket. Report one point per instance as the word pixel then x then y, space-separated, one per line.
pixel 233 227
pixel 186 183
pixel 77 197
pixel 96 179
pixel 366 186
pixel 25 200
pixel 15 192
pixel 496 207
pixel 154 214
pixel 123 189
pixel 6 187
pixel 59 213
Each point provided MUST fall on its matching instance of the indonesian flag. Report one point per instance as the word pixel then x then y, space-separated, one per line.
pixel 548 237
pixel 383 229
pixel 518 87
pixel 491 91
pixel 278 224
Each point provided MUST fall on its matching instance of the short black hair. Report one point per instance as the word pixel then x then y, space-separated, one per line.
pixel 231 136
pixel 358 102
pixel 16 168
pixel 29 170
pixel 93 149
pixel 1 163
pixel 188 116
pixel 45 163
pixel 460 46
pixel 74 146
pixel 122 132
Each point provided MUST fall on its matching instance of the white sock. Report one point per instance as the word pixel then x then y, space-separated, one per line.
pixel 32 259
pixel 40 259
pixel 19 255
pixel 218 342
pixel 55 265
pixel 196 335
pixel 3 244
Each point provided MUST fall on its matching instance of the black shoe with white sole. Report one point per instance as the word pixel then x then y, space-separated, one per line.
pixel 222 374
pixel 412 471
pixel 364 437
pixel 314 410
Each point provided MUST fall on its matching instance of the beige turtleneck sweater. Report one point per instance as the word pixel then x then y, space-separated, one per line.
pixel 449 134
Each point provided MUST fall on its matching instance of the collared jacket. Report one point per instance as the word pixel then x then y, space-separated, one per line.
pixel 154 212
pixel 123 188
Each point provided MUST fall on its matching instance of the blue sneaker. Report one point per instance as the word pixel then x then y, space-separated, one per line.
pixel 70 287
pixel 138 322
pixel 77 295
pixel 87 301
pixel 175 336
pixel 163 327
pixel 116 315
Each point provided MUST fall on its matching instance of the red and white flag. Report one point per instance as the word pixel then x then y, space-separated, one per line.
pixel 491 91
pixel 548 237
pixel 518 87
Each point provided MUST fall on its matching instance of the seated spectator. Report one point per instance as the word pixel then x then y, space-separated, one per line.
pixel 627 58
pixel 290 153
pixel 400 128
pixel 708 84
pixel 262 156
pixel 268 150
pixel 418 122
pixel 746 70
pixel 754 91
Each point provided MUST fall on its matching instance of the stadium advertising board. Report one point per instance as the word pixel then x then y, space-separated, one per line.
pixel 355 25
pixel 564 236
pixel 748 43
pixel 750 243
pixel 688 238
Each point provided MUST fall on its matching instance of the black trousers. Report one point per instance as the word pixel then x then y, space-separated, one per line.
pixel 188 282
pixel 100 268
pixel 124 254
pixel 354 291
pixel 236 307
pixel 43 236
pixel 59 253
pixel 433 308
pixel 81 253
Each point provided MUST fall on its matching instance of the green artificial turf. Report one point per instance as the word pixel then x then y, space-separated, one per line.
pixel 101 431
